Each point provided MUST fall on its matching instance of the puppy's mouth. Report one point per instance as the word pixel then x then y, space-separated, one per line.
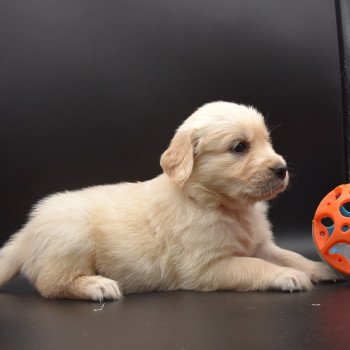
pixel 269 190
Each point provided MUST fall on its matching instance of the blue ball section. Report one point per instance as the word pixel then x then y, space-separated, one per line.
pixel 342 249
pixel 333 250
pixel 330 230
pixel 345 228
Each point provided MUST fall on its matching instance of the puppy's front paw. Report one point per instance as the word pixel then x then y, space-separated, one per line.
pixel 290 280
pixel 319 271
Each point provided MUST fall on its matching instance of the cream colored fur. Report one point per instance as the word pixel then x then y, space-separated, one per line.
pixel 201 225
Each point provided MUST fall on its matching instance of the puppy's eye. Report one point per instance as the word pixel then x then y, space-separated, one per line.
pixel 240 147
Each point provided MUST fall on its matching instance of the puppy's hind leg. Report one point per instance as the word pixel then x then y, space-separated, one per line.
pixel 61 251
pixel 59 281
pixel 91 288
pixel 64 277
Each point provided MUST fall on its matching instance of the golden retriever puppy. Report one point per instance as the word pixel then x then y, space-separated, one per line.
pixel 201 225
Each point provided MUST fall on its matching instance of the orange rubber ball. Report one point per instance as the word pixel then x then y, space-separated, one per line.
pixel 331 228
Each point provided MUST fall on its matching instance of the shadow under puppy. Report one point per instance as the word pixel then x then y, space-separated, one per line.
pixel 201 225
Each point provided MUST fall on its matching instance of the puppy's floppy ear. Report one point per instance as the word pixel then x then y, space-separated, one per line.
pixel 177 160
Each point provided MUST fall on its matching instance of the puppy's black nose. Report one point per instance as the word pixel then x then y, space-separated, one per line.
pixel 281 172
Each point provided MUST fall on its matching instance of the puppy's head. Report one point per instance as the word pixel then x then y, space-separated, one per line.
pixel 223 152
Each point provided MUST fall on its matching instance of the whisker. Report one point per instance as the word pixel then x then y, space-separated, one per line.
pixel 273 128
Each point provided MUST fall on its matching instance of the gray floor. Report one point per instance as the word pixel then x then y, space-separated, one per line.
pixel 179 320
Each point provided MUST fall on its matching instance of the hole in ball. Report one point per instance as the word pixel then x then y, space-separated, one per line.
pixel 345 228
pixel 327 221
pixel 345 209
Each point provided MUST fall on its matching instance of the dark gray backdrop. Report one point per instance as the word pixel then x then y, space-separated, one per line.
pixel 91 91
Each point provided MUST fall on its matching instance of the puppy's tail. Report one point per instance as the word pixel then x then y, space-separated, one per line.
pixel 11 258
